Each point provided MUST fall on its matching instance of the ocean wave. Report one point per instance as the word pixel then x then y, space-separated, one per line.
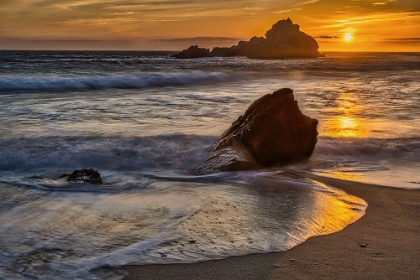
pixel 86 82
pixel 384 162
pixel 175 152
pixel 369 148
pixel 163 152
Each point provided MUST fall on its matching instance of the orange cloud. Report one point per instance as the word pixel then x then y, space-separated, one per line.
pixel 164 21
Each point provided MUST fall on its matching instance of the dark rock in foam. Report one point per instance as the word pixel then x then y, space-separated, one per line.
pixel 88 175
pixel 273 131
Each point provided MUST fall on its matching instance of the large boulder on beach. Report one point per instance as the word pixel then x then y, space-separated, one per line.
pixel 272 132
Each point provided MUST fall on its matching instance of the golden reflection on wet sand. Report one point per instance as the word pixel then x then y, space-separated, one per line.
pixel 348 176
pixel 331 211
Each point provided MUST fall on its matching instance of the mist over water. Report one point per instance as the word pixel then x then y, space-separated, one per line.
pixel 145 120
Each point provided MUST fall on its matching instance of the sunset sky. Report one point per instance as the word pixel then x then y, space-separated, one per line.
pixel 377 25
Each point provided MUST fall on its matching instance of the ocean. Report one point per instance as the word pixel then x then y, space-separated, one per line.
pixel 144 120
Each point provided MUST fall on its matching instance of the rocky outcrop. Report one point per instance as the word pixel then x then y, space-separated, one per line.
pixel 89 175
pixel 193 52
pixel 283 40
pixel 272 132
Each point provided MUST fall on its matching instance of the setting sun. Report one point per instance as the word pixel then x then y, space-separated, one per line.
pixel 348 37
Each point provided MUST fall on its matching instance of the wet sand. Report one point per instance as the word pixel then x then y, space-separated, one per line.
pixel 383 244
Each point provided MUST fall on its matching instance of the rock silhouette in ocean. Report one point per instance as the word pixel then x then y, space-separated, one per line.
pixel 272 132
pixel 88 175
pixel 283 40
pixel 193 52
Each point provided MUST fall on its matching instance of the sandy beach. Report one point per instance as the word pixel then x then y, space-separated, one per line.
pixel 383 244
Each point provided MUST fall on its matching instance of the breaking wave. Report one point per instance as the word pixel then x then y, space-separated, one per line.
pixel 139 80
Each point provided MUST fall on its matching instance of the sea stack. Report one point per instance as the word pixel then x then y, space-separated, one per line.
pixel 283 40
pixel 272 132
pixel 193 52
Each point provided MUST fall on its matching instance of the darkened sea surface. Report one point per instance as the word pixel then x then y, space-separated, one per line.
pixel 144 120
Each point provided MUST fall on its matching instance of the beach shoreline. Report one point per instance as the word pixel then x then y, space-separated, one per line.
pixel 383 244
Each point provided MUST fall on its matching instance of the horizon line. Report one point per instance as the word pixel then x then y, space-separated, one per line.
pixel 145 50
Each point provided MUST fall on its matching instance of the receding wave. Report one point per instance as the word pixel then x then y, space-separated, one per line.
pixel 72 233
pixel 139 80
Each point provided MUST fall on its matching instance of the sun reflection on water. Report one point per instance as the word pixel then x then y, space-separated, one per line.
pixel 345 121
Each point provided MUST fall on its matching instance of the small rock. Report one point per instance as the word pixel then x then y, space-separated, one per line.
pixel 88 175
pixel 162 255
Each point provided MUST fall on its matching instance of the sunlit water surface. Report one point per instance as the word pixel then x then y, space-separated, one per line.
pixel 145 120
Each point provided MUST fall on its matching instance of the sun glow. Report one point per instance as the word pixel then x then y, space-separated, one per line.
pixel 348 37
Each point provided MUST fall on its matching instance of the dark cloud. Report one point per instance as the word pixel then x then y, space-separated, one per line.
pixel 74 41
pixel 327 37
pixel 65 44
pixel 403 39
pixel 409 5
pixel 201 39
pixel 50 10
